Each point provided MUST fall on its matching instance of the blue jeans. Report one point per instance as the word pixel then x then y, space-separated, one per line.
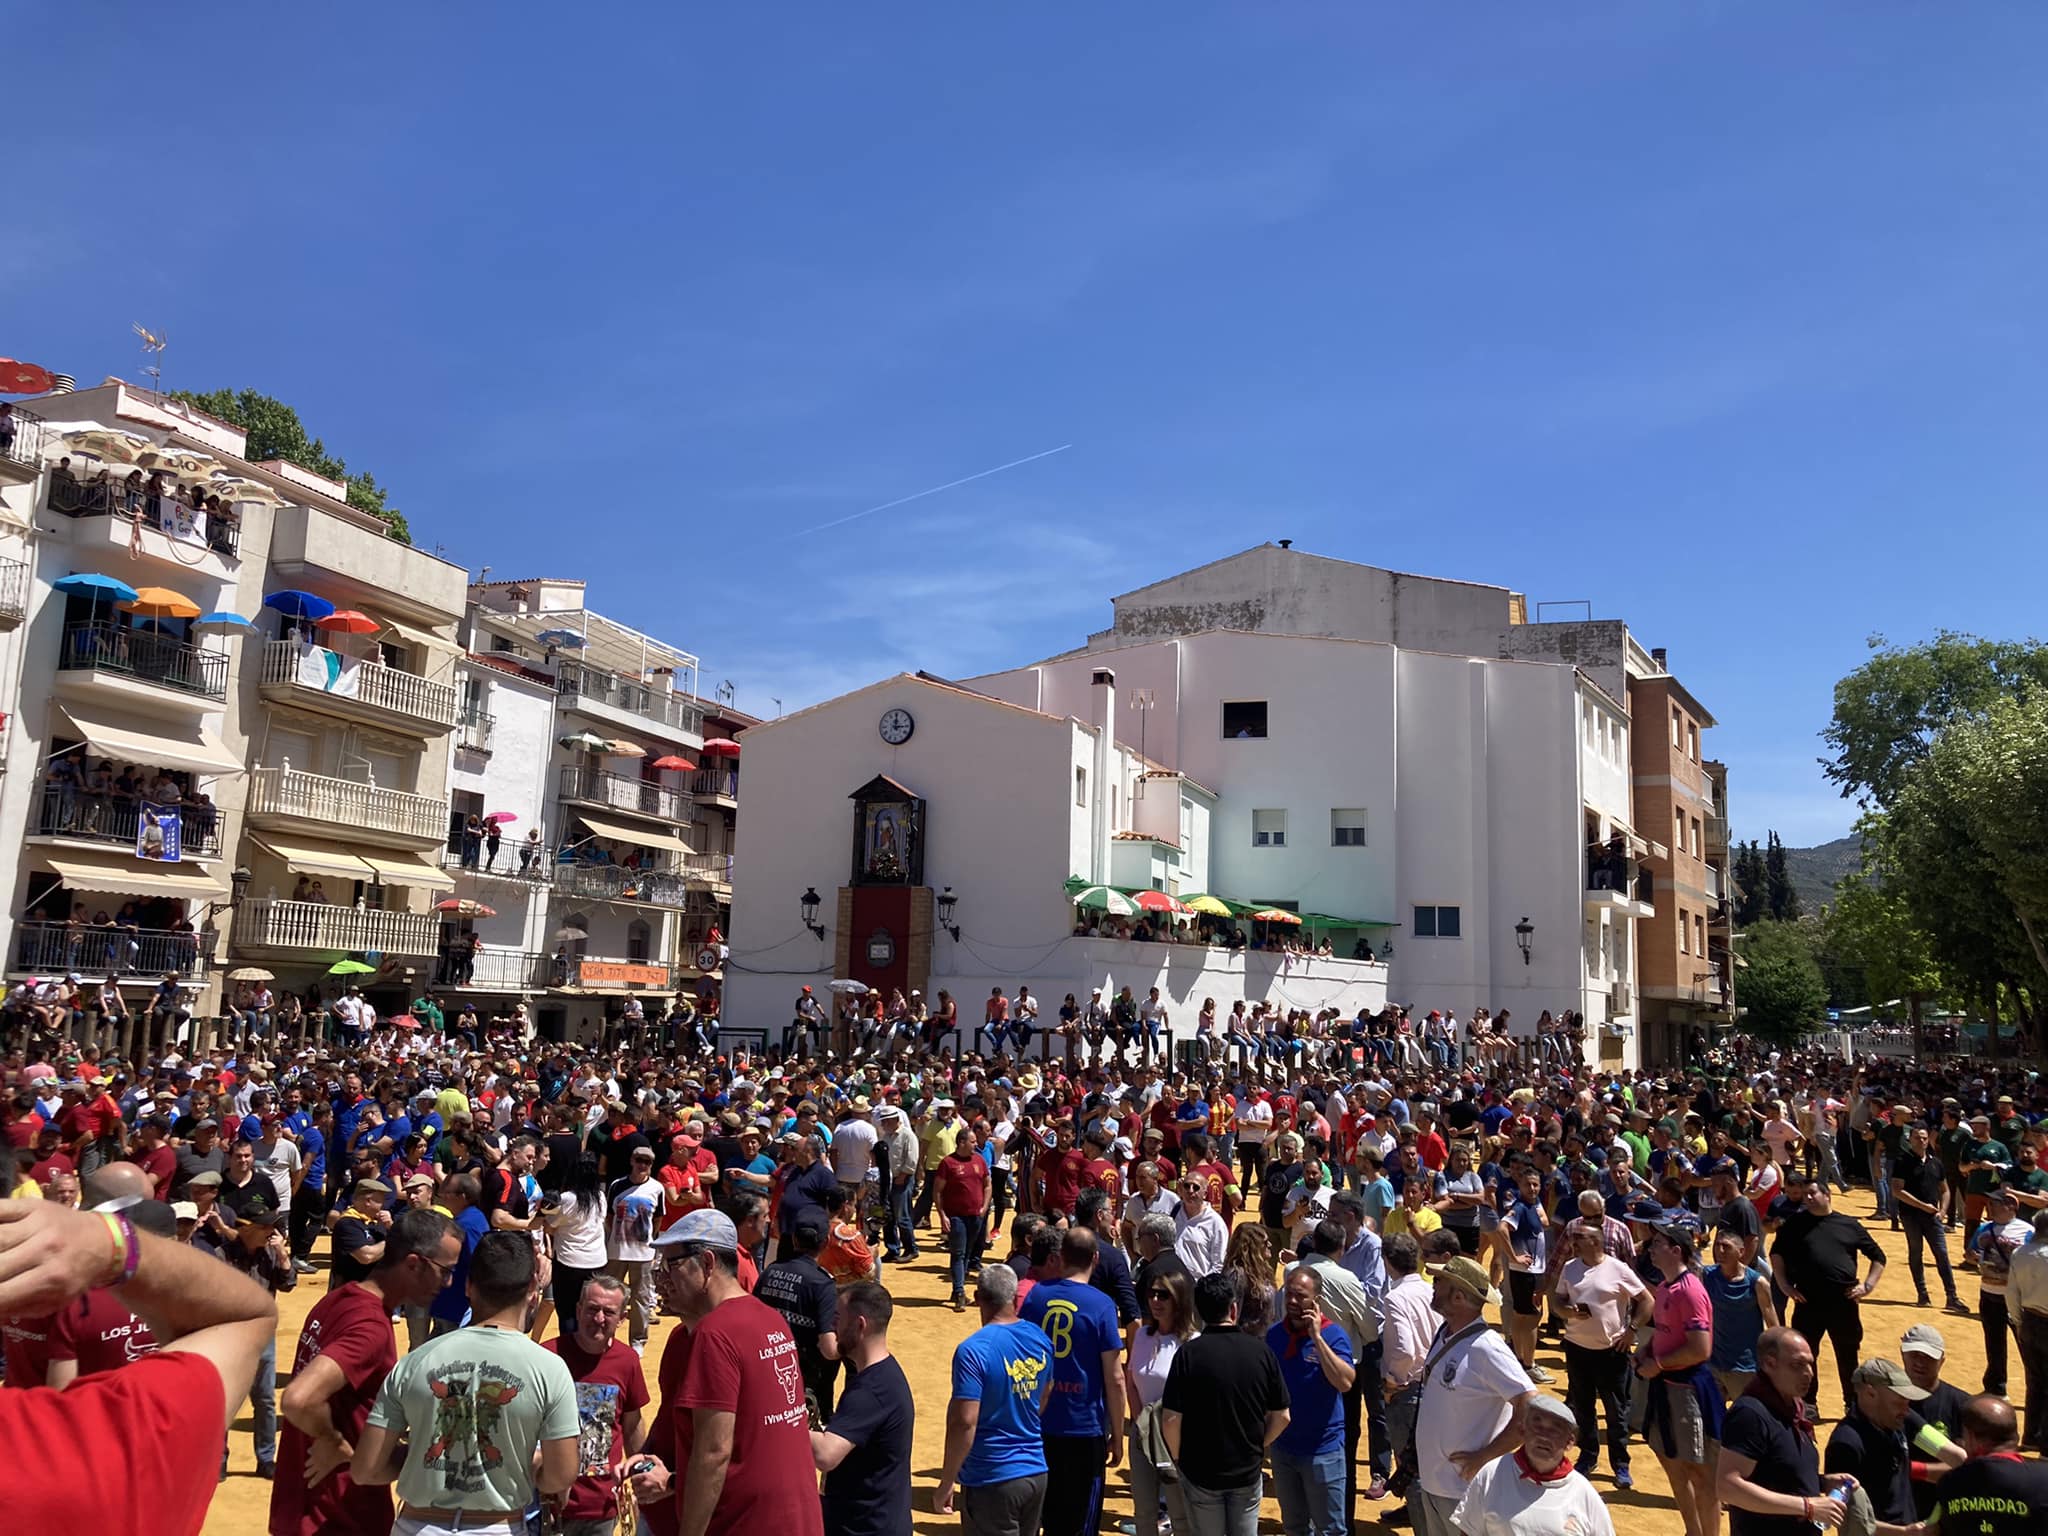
pixel 263 1402
pixel 900 1236
pixel 964 1237
pixel 1882 1169
pixel 1311 1490
pixel 1225 1512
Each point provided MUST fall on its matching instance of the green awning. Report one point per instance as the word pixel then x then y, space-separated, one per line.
pixel 1324 920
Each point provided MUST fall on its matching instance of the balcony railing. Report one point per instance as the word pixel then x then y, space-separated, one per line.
pixel 627 794
pixel 164 511
pixel 717 781
pixel 709 866
pixel 21 439
pixel 474 729
pixel 69 811
pixel 146 655
pixel 304 670
pixel 608 882
pixel 314 925
pixel 97 951
pixel 491 970
pixel 538 871
pixel 315 797
pixel 13 591
pixel 574 680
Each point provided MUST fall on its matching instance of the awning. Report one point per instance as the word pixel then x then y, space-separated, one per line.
pixel 626 832
pixel 405 869
pixel 189 747
pixel 114 874
pixel 316 858
pixel 426 637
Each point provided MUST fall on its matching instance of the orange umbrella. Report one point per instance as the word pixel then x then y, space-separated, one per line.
pixel 673 763
pixel 1276 915
pixel 161 603
pixel 350 622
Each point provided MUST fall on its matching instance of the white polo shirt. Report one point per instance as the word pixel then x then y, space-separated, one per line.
pixel 1469 1397
pixel 1501 1501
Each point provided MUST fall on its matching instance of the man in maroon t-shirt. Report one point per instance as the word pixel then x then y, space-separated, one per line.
pixel 346 1349
pixel 611 1390
pixel 95 1333
pixel 49 1156
pixel 155 1154
pixel 1061 1170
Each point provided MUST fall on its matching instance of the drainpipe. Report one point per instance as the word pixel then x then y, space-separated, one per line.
pixel 1105 735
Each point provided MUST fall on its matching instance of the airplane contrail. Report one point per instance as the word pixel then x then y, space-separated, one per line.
pixel 934 490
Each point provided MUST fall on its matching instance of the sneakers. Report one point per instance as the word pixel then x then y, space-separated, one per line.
pixel 1376 1489
pixel 1540 1376
pixel 959 1303
pixel 1960 1307
pixel 1622 1479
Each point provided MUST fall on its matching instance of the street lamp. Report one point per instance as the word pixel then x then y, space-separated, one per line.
pixel 1523 930
pixel 945 905
pixel 238 884
pixel 810 902
pixel 1387 950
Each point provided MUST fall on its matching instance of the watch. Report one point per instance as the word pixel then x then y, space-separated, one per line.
pixel 896 726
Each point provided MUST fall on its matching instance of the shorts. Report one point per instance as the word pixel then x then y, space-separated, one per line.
pixel 1522 1292
pixel 1681 1432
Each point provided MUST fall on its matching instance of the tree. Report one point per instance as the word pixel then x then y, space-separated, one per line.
pixel 1870 937
pixel 1779 989
pixel 275 432
pixel 1750 884
pixel 1781 900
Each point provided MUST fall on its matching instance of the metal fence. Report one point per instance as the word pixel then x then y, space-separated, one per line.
pixel 102 646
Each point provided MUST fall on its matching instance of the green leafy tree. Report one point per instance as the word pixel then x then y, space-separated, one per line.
pixel 1781 900
pixel 1779 989
pixel 275 432
pixel 1872 945
pixel 1751 892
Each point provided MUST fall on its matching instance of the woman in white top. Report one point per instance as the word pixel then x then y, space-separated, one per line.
pixel 1254 1125
pixel 575 1222
pixel 1168 1311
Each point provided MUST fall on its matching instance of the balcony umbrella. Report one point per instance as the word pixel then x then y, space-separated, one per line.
pixel 233 488
pixel 462 906
pixel 348 621
pixel 587 741
pixel 1159 901
pixel 161 603
pixel 501 817
pixel 672 764
pixel 350 968
pixel 19 378
pixel 222 620
pixel 625 749
pixel 298 605
pixel 561 639
pixel 1213 906
pixel 1276 915
pixel 93 584
pixel 569 933
pixel 1100 898
pixel 115 447
pixel 721 746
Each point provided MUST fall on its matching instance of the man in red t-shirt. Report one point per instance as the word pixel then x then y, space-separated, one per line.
pixel 1219 1178
pixel 742 1380
pixel 346 1349
pixel 1061 1173
pixel 611 1390
pixel 688 1176
pixel 1098 1172
pixel 49 1156
pixel 155 1155
pixel 96 1333
pixel 91 1124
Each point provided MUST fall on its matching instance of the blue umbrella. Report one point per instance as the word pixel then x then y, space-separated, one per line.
pixel 224 621
pixel 561 637
pixel 92 584
pixel 299 605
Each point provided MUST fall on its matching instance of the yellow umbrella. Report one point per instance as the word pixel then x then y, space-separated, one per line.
pixel 161 603
pixel 1208 904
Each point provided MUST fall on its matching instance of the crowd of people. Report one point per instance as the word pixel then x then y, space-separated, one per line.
pixel 1344 1272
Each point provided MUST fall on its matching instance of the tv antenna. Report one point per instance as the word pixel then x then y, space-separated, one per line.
pixel 725 693
pixel 152 354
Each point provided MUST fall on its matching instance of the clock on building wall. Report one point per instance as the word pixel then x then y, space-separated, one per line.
pixel 897 726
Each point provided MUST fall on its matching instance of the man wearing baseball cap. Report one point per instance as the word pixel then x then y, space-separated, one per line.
pixel 1473 1395
pixel 1870 1442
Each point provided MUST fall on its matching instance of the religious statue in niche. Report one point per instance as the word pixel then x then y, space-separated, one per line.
pixel 886 842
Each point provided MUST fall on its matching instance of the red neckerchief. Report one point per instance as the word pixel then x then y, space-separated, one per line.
pixel 1556 1474
pixel 1794 1413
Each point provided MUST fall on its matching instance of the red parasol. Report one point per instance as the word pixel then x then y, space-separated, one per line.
pixel 721 746
pixel 464 907
pixel 1159 901
pixel 1276 915
pixel 350 622
pixel 673 763
pixel 23 378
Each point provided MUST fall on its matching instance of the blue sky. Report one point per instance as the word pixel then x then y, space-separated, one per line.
pixel 1726 318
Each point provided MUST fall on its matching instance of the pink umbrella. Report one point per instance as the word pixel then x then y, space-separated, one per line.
pixel 501 817
pixel 721 746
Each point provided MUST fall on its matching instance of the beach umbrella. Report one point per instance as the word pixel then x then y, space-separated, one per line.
pixel 299 605
pixel 250 973
pixel 1212 905
pixel 116 447
pixel 174 461
pixel 348 621
pixel 625 749
pixel 19 378
pixel 501 817
pixel 672 764
pixel 561 639
pixel 222 620
pixel 94 585
pixel 350 968
pixel 1159 901
pixel 849 988
pixel 462 906
pixel 1276 915
pixel 569 933
pixel 161 603
pixel 234 488
pixel 586 741
pixel 1100 898
pixel 721 746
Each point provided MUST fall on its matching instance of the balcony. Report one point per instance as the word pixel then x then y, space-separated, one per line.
pixel 96 952
pixel 717 786
pixel 13 593
pixel 493 970
pixel 1616 882
pixel 605 973
pixel 628 703
pixel 610 882
pixel 594 786
pixel 21 447
pixel 356 689
pixel 473 731
pixel 709 868
pixel 71 813
pixel 101 649
pixel 120 517
pixel 1713 885
pixel 291 798
pixel 506 867
pixel 306 925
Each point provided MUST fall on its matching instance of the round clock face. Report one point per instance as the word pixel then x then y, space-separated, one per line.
pixel 897 726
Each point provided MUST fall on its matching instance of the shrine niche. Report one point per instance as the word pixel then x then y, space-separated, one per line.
pixel 888 834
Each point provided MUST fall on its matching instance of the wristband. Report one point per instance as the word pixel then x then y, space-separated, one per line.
pixel 127 1249
pixel 1806 1510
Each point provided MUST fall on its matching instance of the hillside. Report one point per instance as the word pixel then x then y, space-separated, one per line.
pixel 1814 871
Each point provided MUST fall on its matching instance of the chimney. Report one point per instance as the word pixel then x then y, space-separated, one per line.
pixel 1287 543
pixel 1658 654
pixel 1104 682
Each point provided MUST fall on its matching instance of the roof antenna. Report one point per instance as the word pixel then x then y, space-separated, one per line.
pixel 153 348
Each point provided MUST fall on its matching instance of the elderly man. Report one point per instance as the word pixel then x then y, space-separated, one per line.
pixel 1768 1474
pixel 1200 1237
pixel 1473 1393
pixel 1995 1492
pixel 1537 1491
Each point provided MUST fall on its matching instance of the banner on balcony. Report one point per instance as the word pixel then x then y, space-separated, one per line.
pixel 613 973
pixel 329 671
pixel 185 523
pixel 159 833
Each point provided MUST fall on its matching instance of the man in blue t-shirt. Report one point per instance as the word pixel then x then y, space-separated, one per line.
pixel 1308 1457
pixel 995 1450
pixel 1084 1419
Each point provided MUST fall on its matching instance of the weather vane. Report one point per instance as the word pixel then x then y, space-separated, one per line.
pixel 153 347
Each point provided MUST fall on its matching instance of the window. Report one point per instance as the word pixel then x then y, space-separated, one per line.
pixel 1678 831
pixel 1436 922
pixel 1699 934
pixel 1269 829
pixel 1684 933
pixel 1592 722
pixel 1692 741
pixel 1113 807
pixel 639 940
pixel 1695 837
pixel 1347 828
pixel 1080 786
pixel 1244 719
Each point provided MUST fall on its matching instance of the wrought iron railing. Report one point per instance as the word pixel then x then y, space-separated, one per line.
pixel 100 951
pixel 70 810
pixel 627 794
pixel 599 686
pixel 144 654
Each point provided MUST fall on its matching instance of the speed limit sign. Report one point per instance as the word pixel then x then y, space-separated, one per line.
pixel 707 959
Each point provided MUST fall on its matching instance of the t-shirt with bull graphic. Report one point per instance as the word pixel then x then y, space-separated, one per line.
pixel 744 1362
pixel 474 1405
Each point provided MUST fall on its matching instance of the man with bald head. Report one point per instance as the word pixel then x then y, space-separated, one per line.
pixel 1995 1492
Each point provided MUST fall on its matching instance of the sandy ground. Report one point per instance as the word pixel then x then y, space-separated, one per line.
pixel 926 1330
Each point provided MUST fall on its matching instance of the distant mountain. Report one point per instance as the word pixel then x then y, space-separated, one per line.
pixel 1815 871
